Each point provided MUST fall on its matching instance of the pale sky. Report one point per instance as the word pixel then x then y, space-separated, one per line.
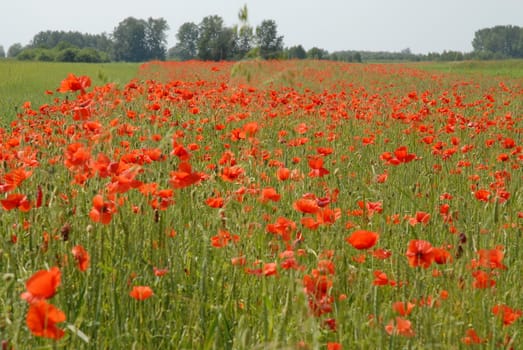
pixel 372 25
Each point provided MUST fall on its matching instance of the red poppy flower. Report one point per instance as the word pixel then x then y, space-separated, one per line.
pixel 42 285
pixel 223 238
pixel 317 288
pixel 159 272
pixel 381 254
pixel 289 261
pixel 404 309
pixel 102 211
pixel 306 205
pixel 490 258
pixel 508 143
pixel 471 337
pixel 362 239
pixel 181 152
pixel 508 314
pixel 141 292
pixel 215 202
pixel 269 194
pixel 401 327
pixel 125 179
pixel 334 346
pixel 482 195
pixel 283 227
pixel 77 156
pixel 310 223
pixel 42 318
pixel 381 279
pixel 251 128
pixel 184 176
pixel 482 280
pixel 82 110
pixel 401 155
pixel 422 217
pixel 503 157
pixel 14 178
pixel 441 256
pixel 316 165
pixel 74 83
pixel 16 200
pixel 381 178
pixel 231 174
pixel 81 256
pixel 301 128
pixel 270 269
pixel 420 253
pixel 283 173
pixel 371 207
pixel 239 260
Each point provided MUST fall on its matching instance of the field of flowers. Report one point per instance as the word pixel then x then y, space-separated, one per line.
pixel 264 205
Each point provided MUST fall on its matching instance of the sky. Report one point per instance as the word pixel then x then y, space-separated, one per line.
pixel 422 26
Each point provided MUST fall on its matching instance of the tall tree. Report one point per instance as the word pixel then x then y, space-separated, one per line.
pixel 504 41
pixel 209 29
pixel 187 46
pixel 227 44
pixel 156 38
pixel 129 40
pixel 296 52
pixel 137 40
pixel 2 52
pixel 269 43
pixel 14 50
pixel 317 54
pixel 216 42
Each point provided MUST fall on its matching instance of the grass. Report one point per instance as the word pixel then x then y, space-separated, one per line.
pixel 27 81
pixel 502 69
pixel 190 162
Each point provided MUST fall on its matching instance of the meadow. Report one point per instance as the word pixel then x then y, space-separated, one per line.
pixel 23 81
pixel 260 205
pixel 504 69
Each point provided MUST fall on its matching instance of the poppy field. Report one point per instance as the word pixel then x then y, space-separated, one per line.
pixel 264 205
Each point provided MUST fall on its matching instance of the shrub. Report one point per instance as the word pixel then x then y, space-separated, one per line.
pixel 67 55
pixel 45 55
pixel 88 55
pixel 27 55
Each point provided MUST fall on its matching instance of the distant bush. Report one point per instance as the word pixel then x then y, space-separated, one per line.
pixel 62 53
pixel 27 55
pixel 89 55
pixel 67 55
pixel 45 55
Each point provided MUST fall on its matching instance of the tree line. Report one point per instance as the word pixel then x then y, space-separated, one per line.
pixel 212 40
pixel 499 42
pixel 133 40
pixel 139 40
